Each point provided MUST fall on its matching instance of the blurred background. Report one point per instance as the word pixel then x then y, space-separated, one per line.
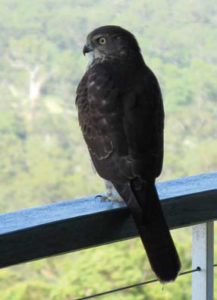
pixel 43 158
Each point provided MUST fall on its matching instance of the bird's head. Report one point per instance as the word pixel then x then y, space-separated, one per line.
pixel 110 41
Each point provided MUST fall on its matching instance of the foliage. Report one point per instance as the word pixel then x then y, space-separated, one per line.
pixel 42 156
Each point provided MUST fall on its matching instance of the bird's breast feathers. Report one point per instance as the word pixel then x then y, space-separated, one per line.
pixel 97 110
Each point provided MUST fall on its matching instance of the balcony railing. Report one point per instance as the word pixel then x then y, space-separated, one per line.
pixel 72 225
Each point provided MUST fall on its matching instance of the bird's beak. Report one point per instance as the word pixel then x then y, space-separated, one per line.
pixel 87 48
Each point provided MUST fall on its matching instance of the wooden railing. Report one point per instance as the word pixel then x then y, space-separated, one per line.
pixel 71 225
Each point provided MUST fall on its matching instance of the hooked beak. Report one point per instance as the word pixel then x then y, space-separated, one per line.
pixel 87 48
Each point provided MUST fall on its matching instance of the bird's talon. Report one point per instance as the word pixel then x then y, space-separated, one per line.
pixel 103 197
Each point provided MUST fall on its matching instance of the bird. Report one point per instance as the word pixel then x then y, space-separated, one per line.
pixel 121 116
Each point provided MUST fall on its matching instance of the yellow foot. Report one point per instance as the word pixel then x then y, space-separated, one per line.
pixel 110 197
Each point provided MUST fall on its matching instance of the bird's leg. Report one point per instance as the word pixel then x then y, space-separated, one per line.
pixel 111 193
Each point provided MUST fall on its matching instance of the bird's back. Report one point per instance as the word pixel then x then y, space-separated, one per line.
pixel 122 122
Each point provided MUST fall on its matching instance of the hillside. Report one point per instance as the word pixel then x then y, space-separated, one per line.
pixel 43 158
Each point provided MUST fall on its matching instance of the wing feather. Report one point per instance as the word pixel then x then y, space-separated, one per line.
pixel 143 125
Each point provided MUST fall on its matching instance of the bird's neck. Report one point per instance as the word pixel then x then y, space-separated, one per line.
pixel 129 57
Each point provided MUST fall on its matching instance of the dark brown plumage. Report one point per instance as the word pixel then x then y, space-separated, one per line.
pixel 121 115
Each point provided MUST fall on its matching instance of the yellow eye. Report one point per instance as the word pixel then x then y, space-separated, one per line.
pixel 102 41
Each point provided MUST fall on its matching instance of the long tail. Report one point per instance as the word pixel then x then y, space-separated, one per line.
pixel 143 201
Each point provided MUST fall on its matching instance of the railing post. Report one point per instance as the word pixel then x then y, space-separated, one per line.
pixel 202 256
